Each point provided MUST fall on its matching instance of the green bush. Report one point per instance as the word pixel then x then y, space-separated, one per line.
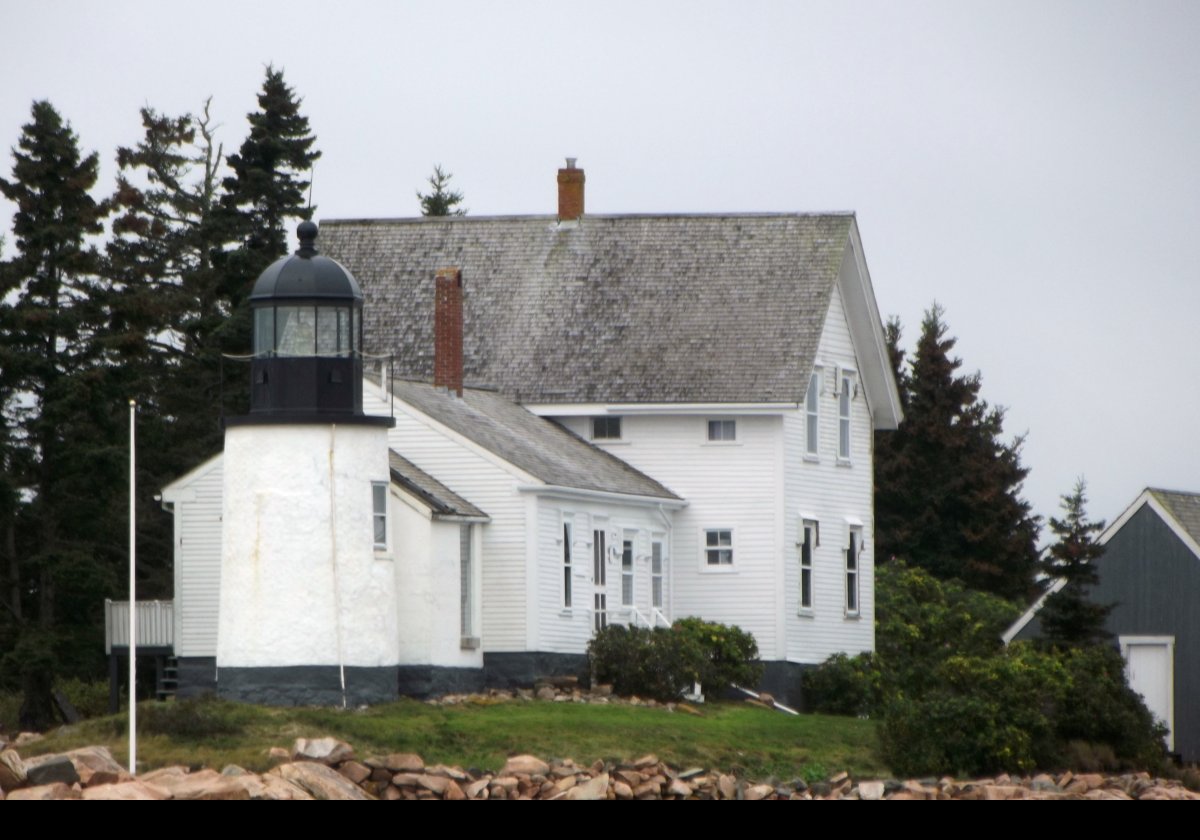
pixel 844 685
pixel 728 654
pixel 198 717
pixel 663 663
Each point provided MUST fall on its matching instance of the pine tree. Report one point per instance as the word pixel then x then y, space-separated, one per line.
pixel 61 412
pixel 947 494
pixel 160 257
pixel 441 200
pixel 266 190
pixel 1068 618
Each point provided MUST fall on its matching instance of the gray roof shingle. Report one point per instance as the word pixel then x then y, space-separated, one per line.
pixel 708 308
pixel 1185 507
pixel 538 446
pixel 443 500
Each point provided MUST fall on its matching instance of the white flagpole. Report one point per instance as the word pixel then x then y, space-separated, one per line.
pixel 132 593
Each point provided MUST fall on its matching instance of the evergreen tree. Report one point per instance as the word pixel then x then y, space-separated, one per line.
pixel 266 190
pixel 1069 619
pixel 160 257
pixel 61 412
pixel 441 200
pixel 947 490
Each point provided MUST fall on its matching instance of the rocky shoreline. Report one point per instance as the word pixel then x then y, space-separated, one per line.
pixel 326 768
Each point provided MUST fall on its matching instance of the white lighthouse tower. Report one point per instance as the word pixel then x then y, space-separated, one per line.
pixel 307 606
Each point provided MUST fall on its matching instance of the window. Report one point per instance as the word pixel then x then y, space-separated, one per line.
pixel 853 557
pixel 807 546
pixel 722 430
pixel 812 403
pixel 600 581
pixel 845 394
pixel 606 428
pixel 627 573
pixel 466 609
pixel 567 565
pixel 718 548
pixel 656 574
pixel 379 514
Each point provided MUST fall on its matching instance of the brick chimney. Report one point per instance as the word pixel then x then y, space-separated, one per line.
pixel 448 330
pixel 570 193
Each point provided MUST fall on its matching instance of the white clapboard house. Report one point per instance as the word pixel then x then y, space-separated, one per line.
pixel 592 420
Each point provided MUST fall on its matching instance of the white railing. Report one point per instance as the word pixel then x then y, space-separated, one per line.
pixel 656 618
pixel 155 624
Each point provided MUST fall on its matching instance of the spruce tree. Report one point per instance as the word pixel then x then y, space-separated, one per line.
pixel 61 412
pixel 1069 618
pixel 266 192
pixel 441 200
pixel 947 494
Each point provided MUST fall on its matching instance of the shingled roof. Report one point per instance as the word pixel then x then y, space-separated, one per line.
pixel 538 446
pixel 1185 507
pixel 610 309
pixel 441 499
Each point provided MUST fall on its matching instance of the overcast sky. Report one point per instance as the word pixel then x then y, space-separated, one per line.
pixel 1032 166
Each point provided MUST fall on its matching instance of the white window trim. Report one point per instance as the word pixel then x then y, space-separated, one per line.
pixel 567 537
pixel 661 576
pixel 719 569
pixel 853 530
pixel 376 515
pixel 813 417
pixel 807 523
pixel 848 380
pixel 710 441
pixel 620 436
pixel 630 537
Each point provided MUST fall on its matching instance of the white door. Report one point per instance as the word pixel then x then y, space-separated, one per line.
pixel 1149 663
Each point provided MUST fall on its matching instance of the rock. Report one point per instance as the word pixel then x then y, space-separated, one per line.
pixel 679 787
pixel 12 770
pixel 870 791
pixel 453 792
pixel 327 750
pixel 527 765
pixel 766 699
pixel 272 787
pixel 756 792
pixel 1000 792
pixel 622 790
pixel 476 788
pixel 839 778
pixel 26 738
pixel 691 710
pixel 96 766
pixel 594 788
pixel 728 786
pixel 455 773
pixel 404 763
pixel 133 790
pixel 691 773
pixel 648 760
pixel 354 771
pixel 201 785
pixel 233 770
pixel 157 776
pixel 602 690
pixel 565 783
pixel 321 781
pixel 1044 782
pixel 437 784
pixel 48 769
pixel 55 790
pixel 278 755
pixel 546 693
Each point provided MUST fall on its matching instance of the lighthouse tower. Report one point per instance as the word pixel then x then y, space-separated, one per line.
pixel 307 605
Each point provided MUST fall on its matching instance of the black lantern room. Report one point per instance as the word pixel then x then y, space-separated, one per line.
pixel 307 360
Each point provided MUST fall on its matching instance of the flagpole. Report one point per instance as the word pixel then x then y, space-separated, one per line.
pixel 132 592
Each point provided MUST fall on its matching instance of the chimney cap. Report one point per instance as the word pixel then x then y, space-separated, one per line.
pixel 571 162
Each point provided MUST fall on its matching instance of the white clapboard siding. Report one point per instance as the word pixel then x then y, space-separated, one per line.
pixel 833 492
pixel 493 489
pixel 197 502
pixel 736 486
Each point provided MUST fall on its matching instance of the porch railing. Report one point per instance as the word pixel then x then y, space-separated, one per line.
pixel 155 624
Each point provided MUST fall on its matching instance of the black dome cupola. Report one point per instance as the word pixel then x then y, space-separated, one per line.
pixel 307 337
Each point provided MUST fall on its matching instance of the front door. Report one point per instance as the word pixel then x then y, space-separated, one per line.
pixel 1149 662
pixel 599 581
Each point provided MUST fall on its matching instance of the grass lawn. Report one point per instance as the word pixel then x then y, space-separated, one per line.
pixel 727 736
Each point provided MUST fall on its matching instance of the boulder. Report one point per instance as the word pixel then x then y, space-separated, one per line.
pixel 321 781
pixel 133 790
pixel 594 788
pixel 525 765
pixel 12 770
pixel 48 769
pixel 327 750
pixel 55 790
pixel 404 763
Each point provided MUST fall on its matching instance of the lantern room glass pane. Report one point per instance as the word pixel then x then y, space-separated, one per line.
pixel 296 330
pixel 264 331
pixel 333 333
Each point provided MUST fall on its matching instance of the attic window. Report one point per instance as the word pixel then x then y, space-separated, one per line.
pixel 722 430
pixel 606 428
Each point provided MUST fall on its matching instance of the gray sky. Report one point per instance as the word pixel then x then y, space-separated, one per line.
pixel 1030 165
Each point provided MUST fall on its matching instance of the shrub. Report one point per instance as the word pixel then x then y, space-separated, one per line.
pixel 844 685
pixel 664 663
pixel 728 655
pixel 199 717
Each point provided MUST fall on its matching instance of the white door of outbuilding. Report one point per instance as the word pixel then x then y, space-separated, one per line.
pixel 1150 665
